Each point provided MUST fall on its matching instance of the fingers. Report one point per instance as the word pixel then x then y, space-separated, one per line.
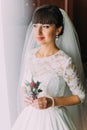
pixel 40 103
pixel 28 100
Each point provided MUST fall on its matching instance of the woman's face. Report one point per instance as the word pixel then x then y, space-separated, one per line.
pixel 45 33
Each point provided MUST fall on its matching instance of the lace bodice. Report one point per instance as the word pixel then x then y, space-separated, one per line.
pixel 55 72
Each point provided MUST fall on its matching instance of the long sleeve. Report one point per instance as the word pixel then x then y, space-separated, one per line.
pixel 72 79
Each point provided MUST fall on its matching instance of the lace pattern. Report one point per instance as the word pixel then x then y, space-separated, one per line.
pixel 59 64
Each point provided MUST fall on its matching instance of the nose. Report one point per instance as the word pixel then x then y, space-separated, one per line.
pixel 39 30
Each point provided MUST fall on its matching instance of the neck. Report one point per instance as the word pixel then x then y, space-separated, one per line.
pixel 45 51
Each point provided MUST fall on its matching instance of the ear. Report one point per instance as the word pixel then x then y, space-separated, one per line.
pixel 59 29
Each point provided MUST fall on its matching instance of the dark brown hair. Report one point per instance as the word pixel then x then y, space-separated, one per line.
pixel 48 14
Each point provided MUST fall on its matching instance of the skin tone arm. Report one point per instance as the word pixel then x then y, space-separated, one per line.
pixel 67 101
pixel 45 102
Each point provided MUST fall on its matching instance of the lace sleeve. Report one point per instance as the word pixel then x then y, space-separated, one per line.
pixel 72 79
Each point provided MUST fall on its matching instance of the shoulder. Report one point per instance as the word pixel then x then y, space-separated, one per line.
pixel 64 57
pixel 32 52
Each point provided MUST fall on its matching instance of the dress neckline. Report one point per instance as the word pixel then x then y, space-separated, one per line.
pixel 47 57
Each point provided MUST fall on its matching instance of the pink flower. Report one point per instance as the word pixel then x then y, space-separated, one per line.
pixel 32 84
pixel 32 88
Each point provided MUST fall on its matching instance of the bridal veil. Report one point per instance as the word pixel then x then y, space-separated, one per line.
pixel 69 43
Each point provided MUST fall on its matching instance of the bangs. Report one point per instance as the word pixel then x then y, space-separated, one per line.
pixel 48 14
pixel 44 17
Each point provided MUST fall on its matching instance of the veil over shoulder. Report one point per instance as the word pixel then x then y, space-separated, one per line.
pixel 69 43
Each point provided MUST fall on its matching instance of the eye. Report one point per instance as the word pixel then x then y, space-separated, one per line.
pixel 46 25
pixel 34 25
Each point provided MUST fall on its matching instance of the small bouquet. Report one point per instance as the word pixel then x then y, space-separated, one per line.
pixel 32 88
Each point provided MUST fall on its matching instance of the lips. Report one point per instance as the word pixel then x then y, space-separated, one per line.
pixel 40 38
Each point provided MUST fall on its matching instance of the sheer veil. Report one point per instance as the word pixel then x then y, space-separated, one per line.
pixel 68 42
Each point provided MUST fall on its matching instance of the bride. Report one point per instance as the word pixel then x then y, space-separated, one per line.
pixel 49 58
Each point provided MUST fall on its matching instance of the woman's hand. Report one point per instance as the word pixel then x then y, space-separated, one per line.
pixel 42 103
pixel 28 100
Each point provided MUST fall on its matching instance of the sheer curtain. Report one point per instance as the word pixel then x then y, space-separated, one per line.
pixel 4 104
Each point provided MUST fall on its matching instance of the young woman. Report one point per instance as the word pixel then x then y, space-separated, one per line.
pixel 54 69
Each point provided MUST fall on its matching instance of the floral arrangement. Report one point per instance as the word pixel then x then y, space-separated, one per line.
pixel 32 88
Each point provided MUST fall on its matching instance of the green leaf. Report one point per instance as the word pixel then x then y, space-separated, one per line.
pixel 39 90
pixel 37 84
pixel 27 83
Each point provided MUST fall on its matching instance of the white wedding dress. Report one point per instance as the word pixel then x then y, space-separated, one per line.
pixel 55 73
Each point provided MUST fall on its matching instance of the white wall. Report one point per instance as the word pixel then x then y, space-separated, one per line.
pixel 16 16
pixel 4 105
